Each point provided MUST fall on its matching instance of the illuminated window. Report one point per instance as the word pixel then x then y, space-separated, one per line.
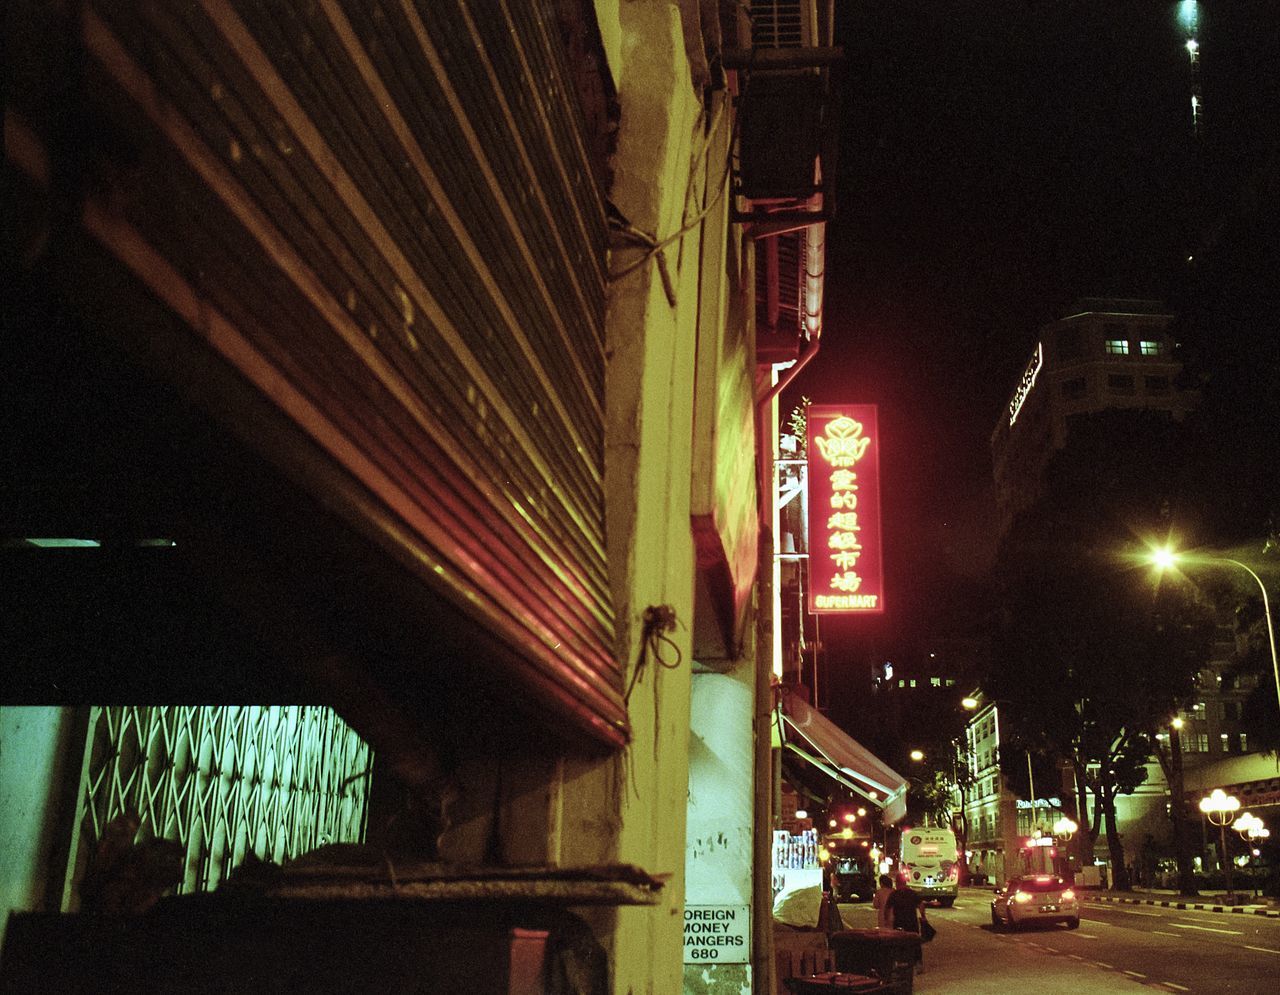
pixel 1244 742
pixel 901 683
pixel 1073 388
pixel 913 682
pixel 1149 348
pixel 951 682
pixel 1157 385
pixel 1120 383
pixel 1198 710
pixel 1117 347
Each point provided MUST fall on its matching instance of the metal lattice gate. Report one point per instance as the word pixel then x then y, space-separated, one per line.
pixel 222 781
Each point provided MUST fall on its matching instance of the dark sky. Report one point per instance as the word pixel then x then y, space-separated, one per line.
pixel 1000 160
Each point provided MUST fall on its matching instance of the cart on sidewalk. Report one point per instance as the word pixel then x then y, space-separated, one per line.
pixel 890 955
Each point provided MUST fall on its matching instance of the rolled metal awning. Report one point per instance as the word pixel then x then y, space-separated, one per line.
pixel 814 738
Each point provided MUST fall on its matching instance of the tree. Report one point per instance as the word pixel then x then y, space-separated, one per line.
pixel 934 792
pixel 1089 653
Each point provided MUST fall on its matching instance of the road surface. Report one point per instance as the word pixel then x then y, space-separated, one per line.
pixel 1118 948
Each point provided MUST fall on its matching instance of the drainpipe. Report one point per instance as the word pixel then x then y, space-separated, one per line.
pixel 814 272
pixel 765 763
pixel 765 773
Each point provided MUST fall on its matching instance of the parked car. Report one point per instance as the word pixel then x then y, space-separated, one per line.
pixel 1036 898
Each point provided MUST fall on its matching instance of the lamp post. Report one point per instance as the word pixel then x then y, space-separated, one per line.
pixel 1253 831
pixel 1177 809
pixel 1220 807
pixel 1063 830
pixel 1164 558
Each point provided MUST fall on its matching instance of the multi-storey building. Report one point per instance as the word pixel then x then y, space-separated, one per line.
pixel 1114 354
pixel 1105 354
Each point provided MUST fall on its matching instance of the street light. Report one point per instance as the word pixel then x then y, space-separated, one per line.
pixel 1164 558
pixel 917 755
pixel 1253 831
pixel 1219 807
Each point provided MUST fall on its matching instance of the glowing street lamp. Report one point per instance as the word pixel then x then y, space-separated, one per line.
pixel 1164 558
pixel 1220 807
pixel 917 755
pixel 1250 827
pixel 1064 829
pixel 1253 831
pixel 969 703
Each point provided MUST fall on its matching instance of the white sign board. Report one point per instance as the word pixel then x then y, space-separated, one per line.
pixel 717 934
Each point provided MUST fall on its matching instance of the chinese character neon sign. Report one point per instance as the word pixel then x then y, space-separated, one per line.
pixel 845 572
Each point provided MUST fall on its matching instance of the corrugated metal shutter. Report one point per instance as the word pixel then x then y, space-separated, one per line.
pixel 383 214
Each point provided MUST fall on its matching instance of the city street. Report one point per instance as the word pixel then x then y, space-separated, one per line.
pixel 1116 949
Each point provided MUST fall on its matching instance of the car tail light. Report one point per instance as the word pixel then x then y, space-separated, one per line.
pixel 1021 896
pixel 1068 895
pixel 955 874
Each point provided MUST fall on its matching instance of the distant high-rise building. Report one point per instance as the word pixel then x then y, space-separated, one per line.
pixel 1105 354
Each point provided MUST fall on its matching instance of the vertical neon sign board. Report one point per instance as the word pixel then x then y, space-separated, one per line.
pixel 845 562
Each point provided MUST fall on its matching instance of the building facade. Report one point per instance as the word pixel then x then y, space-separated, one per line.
pixel 345 334
pixel 1106 354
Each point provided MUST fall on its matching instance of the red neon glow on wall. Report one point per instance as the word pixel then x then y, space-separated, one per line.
pixel 845 562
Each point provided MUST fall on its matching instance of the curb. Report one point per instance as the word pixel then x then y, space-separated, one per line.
pixel 1229 909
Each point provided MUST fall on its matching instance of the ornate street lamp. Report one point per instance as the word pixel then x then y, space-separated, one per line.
pixel 1220 807
pixel 1253 831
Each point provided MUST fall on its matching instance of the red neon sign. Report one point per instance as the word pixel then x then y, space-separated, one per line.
pixel 845 563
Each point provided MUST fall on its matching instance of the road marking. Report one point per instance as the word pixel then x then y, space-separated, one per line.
pixel 1075 956
pixel 1207 929
pixel 1135 974
pixel 1109 967
pixel 1090 936
pixel 1164 933
pixel 1171 984
pixel 1131 912
pixel 1262 950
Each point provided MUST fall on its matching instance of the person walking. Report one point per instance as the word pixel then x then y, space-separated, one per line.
pixel 880 902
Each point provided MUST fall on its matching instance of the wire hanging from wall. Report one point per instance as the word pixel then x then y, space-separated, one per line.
pixel 656 622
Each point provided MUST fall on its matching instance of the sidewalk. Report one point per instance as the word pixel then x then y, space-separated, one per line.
pixel 1170 899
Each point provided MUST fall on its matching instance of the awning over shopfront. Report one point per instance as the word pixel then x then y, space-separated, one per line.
pixel 822 744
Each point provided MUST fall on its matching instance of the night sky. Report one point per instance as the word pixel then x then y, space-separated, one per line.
pixel 1000 160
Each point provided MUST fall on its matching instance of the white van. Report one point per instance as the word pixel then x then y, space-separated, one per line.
pixel 927 861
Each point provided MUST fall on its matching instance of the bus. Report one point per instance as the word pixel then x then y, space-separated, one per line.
pixel 927 862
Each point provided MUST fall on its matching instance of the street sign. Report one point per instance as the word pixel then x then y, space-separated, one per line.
pixel 717 934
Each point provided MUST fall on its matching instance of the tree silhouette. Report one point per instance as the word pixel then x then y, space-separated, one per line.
pixel 1090 654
